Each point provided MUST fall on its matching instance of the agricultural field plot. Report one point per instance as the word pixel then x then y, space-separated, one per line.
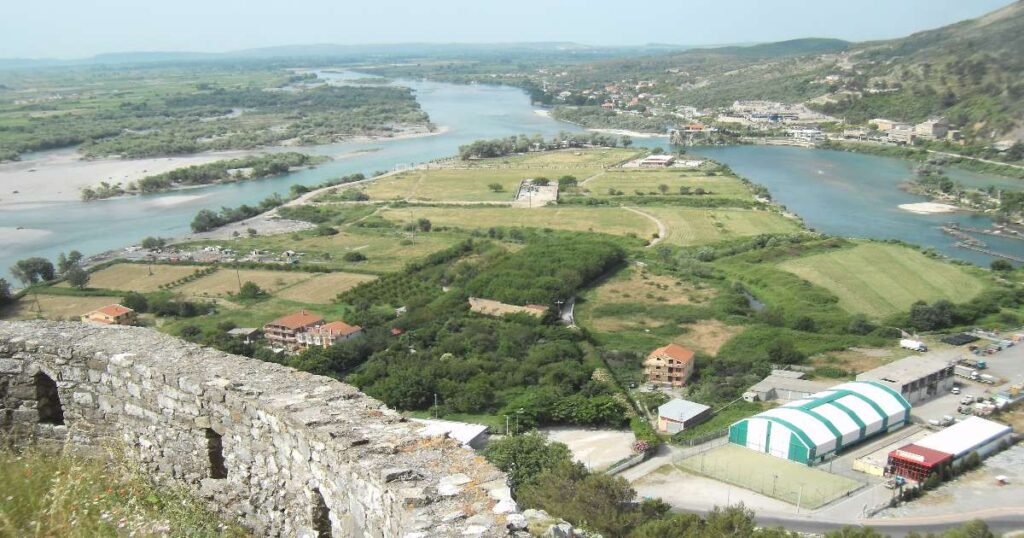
pixel 141 278
pixel 385 252
pixel 633 284
pixel 323 288
pixel 597 157
pixel 55 307
pixel 880 279
pixel 227 281
pixel 610 220
pixel 649 181
pixel 693 226
pixel 775 477
pixel 454 184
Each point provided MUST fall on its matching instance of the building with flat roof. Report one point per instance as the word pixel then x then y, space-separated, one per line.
pixel 916 378
pixel 654 161
pixel 811 429
pixel 928 455
pixel 676 415
pixel 784 385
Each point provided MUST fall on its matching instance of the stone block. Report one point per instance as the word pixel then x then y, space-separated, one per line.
pixel 11 366
pixel 83 398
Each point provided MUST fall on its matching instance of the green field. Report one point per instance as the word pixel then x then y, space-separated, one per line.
pixel 138 277
pixel 453 184
pixel 566 158
pixel 610 220
pixel 693 226
pixel 629 181
pixel 781 479
pixel 879 279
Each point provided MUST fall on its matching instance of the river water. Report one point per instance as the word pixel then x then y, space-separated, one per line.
pixel 838 193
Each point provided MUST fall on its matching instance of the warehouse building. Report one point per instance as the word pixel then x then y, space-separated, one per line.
pixel 785 385
pixel 677 415
pixel 915 378
pixel 810 429
pixel 928 455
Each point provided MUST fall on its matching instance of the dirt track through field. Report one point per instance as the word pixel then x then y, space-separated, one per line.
pixel 662 231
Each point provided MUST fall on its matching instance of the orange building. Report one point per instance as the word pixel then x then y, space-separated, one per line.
pixel 669 365
pixel 328 334
pixel 114 314
pixel 284 332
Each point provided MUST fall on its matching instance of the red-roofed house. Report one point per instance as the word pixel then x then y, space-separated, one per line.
pixel 114 314
pixel 669 365
pixel 327 334
pixel 915 462
pixel 284 331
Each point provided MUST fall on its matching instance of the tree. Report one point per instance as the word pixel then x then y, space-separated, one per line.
pixel 663 188
pixel 250 290
pixel 424 225
pixel 626 141
pixel 66 262
pixel 77 277
pixel 32 270
pixel 325 230
pixel 1001 265
pixel 495 187
pixel 151 243
pixel 5 292
pixel 524 457
pixel 354 256
pixel 136 301
pixel 542 181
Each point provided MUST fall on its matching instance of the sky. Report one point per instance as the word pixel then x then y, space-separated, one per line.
pixel 81 28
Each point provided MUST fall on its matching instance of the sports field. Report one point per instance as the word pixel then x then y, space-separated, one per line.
pixel 457 184
pixel 880 279
pixel 322 289
pixel 56 307
pixel 610 220
pixel 137 277
pixel 775 477
pixel 694 226
pixel 647 182
pixel 226 281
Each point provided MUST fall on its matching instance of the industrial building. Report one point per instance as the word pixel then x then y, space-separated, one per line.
pixel 785 385
pixel 677 415
pixel 810 429
pixel 916 378
pixel 928 455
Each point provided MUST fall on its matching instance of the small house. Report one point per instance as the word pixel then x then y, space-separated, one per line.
pixel 678 414
pixel 114 314
pixel 284 331
pixel 328 334
pixel 247 335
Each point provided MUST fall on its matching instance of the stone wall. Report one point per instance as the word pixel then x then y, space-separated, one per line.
pixel 285 452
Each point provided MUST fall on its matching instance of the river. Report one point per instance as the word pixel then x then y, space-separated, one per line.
pixel 838 193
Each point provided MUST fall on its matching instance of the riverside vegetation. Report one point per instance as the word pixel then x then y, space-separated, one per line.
pixel 156 109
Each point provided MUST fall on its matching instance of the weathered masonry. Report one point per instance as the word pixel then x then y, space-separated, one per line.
pixel 285 452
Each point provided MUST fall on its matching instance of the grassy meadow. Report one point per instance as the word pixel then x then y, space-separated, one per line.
pixel 630 181
pixel 609 220
pixel 138 277
pixel 695 226
pixel 881 279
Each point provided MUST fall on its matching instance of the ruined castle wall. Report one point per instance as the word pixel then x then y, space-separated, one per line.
pixel 285 452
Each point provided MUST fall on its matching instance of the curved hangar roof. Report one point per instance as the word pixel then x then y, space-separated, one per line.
pixel 806 430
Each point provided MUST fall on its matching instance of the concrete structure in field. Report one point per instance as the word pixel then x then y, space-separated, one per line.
pixel 328 334
pixel 916 378
pixel 677 415
pixel 114 314
pixel 926 456
pixel 812 429
pixel 657 161
pixel 247 335
pixel 284 332
pixel 669 365
pixel 784 385
pixel 283 452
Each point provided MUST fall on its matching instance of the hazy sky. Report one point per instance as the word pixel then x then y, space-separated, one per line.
pixel 76 28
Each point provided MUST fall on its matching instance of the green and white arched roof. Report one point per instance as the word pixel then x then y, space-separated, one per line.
pixel 842 415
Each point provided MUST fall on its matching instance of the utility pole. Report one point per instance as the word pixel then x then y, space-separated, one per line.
pixel 435 405
pixel 799 497
pixel 506 425
pixel 238 275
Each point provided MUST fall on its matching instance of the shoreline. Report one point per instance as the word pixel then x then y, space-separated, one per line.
pixel 58 176
pixel 619 132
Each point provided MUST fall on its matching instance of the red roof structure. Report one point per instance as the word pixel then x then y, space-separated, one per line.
pixel 114 310
pixel 674 351
pixel 339 328
pixel 916 462
pixel 297 320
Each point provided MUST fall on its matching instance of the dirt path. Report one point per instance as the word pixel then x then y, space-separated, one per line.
pixel 987 161
pixel 595 176
pixel 662 231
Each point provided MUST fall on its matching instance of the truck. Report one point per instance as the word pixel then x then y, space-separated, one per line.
pixel 965 372
pixel 913 345
pixel 974 362
pixel 988 379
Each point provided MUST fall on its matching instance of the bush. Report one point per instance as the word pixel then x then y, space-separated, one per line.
pixel 354 256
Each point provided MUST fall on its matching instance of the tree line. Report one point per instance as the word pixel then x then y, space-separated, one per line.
pixel 500 147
